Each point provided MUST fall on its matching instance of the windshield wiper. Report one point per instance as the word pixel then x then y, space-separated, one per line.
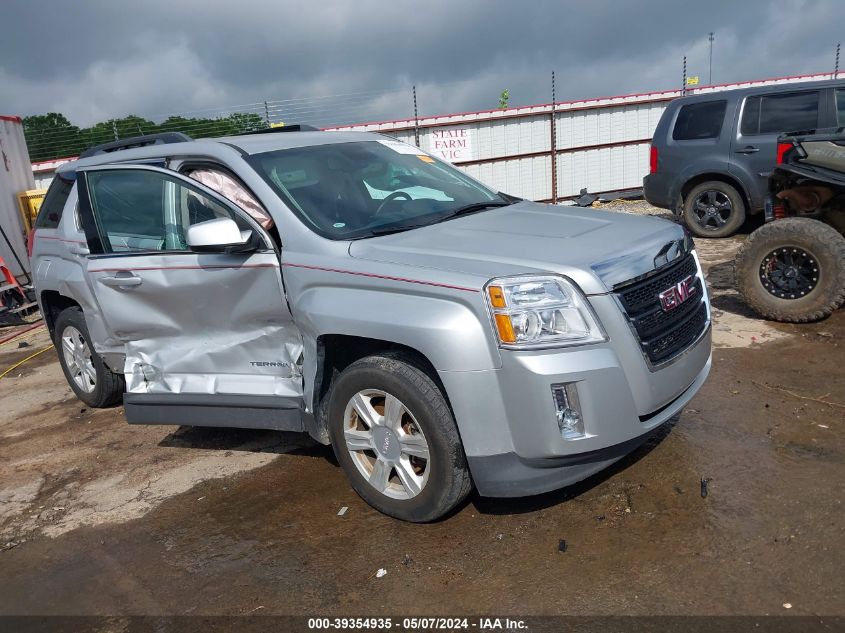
pixel 473 207
pixel 394 229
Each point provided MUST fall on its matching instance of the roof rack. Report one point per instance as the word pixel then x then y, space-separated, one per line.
pixel 295 127
pixel 164 138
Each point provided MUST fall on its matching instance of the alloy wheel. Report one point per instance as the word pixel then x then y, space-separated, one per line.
pixel 386 444
pixel 77 355
pixel 712 209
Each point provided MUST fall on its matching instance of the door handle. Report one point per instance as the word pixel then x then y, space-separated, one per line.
pixel 78 249
pixel 127 281
pixel 750 149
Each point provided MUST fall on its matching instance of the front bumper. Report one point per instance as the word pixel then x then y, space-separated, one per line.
pixel 507 416
pixel 509 475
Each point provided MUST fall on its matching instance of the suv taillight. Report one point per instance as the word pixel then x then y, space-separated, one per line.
pixel 652 160
pixel 783 148
pixel 30 242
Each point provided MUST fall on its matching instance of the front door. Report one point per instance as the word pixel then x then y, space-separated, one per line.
pixel 208 336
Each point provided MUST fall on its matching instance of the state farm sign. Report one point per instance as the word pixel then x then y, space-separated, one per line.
pixel 453 144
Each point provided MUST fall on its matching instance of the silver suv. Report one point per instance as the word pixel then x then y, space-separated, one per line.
pixel 438 334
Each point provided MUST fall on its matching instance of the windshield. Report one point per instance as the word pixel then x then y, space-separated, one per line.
pixel 352 190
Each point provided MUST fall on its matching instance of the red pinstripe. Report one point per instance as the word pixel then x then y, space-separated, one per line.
pixel 38 236
pixel 388 277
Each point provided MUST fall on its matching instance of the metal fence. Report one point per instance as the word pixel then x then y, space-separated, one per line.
pixel 601 145
pixel 546 152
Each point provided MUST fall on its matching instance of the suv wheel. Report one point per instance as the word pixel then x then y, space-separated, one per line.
pixel 713 209
pixel 395 437
pixel 792 270
pixel 92 382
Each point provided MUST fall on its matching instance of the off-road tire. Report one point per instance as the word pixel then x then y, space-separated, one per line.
pixel 823 242
pixel 109 386
pixel 735 220
pixel 449 480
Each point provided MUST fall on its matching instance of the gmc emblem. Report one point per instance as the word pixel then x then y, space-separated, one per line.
pixel 677 294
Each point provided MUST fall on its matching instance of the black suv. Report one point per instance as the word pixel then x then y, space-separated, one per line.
pixel 712 154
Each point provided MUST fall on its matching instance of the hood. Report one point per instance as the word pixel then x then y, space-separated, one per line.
pixel 597 249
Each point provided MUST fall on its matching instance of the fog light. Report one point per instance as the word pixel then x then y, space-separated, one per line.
pixel 569 419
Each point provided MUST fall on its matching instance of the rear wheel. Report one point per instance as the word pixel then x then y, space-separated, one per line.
pixel 92 382
pixel 395 437
pixel 714 209
pixel 793 270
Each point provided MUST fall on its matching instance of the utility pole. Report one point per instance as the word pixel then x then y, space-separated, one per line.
pixel 554 143
pixel 416 120
pixel 836 62
pixel 710 76
pixel 684 84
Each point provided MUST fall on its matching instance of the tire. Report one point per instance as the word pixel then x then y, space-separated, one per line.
pixel 757 266
pixel 713 209
pixel 107 387
pixel 437 484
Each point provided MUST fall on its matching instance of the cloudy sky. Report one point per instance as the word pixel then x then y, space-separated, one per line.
pixel 97 59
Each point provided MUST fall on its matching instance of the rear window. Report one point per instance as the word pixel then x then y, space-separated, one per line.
pixel 699 121
pixel 54 203
pixel 779 113
pixel 840 106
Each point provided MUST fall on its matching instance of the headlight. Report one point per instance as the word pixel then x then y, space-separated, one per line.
pixel 541 312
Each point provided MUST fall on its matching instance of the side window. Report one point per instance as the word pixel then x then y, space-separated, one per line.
pixel 229 188
pixel 779 113
pixel 699 121
pixel 840 106
pixel 750 117
pixel 138 210
pixel 54 202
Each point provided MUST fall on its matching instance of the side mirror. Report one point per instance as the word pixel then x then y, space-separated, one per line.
pixel 220 235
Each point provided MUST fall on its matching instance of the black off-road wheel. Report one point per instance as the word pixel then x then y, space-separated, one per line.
pixel 792 270
pixel 394 435
pixel 713 209
pixel 92 382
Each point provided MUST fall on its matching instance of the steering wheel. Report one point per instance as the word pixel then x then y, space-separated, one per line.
pixel 393 196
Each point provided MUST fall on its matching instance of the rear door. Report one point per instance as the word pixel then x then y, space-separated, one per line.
pixel 762 119
pixel 208 336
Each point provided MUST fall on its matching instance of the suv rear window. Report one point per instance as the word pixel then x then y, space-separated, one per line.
pixel 840 107
pixel 51 209
pixel 699 120
pixel 779 113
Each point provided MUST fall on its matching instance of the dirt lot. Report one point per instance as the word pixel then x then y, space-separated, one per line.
pixel 97 517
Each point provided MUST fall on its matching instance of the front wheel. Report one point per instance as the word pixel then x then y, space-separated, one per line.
pixel 792 270
pixel 395 437
pixel 92 382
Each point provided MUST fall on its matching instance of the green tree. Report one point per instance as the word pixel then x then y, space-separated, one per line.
pixel 50 136
pixel 133 125
pixel 242 122
pixel 503 99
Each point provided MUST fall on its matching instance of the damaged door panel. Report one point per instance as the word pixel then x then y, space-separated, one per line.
pixel 209 321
